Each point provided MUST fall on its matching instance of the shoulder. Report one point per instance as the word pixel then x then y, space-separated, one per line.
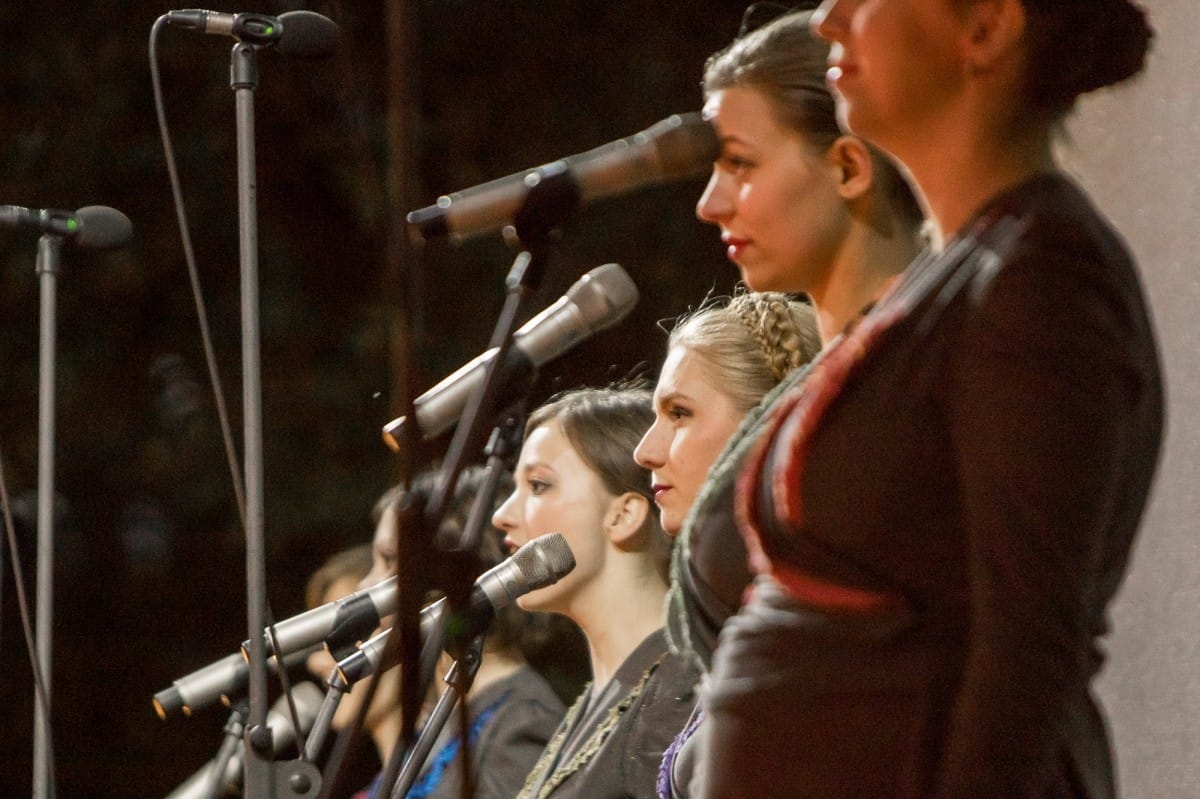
pixel 1054 278
pixel 1056 236
pixel 524 705
pixel 666 700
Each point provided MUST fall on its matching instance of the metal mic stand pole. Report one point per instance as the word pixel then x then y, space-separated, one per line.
pixel 262 779
pixel 523 278
pixel 234 730
pixel 320 729
pixel 48 260
pixel 243 79
pixel 458 683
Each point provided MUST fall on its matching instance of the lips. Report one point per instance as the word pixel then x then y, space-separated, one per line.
pixel 839 65
pixel 659 490
pixel 839 71
pixel 734 246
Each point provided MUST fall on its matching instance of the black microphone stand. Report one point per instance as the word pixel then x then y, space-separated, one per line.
pixel 264 778
pixel 336 688
pixel 545 207
pixel 458 684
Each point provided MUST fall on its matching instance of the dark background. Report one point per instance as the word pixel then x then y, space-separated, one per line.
pixel 150 565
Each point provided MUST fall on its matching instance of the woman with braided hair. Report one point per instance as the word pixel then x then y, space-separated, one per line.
pixel 721 361
pixel 942 515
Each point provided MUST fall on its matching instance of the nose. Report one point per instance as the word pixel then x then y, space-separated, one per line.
pixel 715 204
pixel 825 22
pixel 504 517
pixel 369 579
pixel 649 451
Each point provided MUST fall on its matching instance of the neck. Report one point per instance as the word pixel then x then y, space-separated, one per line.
pixel 493 667
pixel 385 734
pixel 872 256
pixel 617 621
pixel 971 164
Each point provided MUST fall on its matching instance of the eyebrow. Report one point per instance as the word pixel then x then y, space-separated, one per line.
pixel 676 394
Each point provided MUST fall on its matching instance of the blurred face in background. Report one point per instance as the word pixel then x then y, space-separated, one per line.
pixel 320 664
pixel 894 66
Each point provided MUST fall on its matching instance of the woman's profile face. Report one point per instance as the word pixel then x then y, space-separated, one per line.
pixel 894 65
pixel 773 195
pixel 693 419
pixel 556 492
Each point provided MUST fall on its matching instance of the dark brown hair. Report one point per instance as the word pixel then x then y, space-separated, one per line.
pixel 604 426
pixel 1078 46
pixel 787 63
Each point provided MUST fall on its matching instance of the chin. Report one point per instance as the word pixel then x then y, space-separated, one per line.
pixel 671 524
pixel 536 601
pixel 760 280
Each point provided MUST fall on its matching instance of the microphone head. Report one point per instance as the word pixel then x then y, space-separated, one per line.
pixel 102 228
pixel 545 560
pixel 308 699
pixel 604 296
pixel 308 35
pixel 685 145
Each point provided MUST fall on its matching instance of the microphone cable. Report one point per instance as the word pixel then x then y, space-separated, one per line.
pixel 206 338
pixel 40 694
pixel 189 256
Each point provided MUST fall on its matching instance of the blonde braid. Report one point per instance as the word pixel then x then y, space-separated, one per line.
pixel 784 329
pixel 780 330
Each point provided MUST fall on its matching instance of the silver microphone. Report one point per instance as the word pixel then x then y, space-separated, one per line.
pixel 308 698
pixel 597 301
pixel 538 563
pixel 95 227
pixel 680 146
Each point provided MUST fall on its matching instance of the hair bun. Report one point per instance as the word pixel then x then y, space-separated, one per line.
pixel 1098 44
pixel 1120 40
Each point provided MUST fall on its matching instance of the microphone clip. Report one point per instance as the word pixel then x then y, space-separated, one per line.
pixel 246 27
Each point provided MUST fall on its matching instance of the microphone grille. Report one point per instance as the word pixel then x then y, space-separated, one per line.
pixel 102 228
pixel 686 145
pixel 604 296
pixel 545 560
pixel 308 35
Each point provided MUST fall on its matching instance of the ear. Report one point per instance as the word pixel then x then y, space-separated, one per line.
pixel 625 516
pixel 993 31
pixel 851 159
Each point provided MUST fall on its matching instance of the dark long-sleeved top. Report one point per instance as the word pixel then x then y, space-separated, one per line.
pixel 945 528
pixel 611 741
pixel 510 722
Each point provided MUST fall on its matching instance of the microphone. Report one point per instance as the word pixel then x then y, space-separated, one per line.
pixel 300 34
pixel 95 227
pixel 220 680
pixel 538 563
pixel 597 301
pixel 308 698
pixel 679 146
pixel 545 560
